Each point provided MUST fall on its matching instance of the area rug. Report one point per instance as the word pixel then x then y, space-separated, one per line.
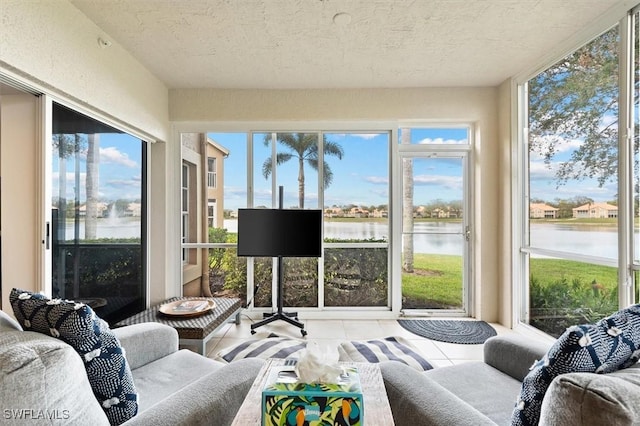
pixel 450 331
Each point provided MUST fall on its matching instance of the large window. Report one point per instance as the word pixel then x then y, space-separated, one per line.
pixel 98 215
pixel 356 219
pixel 346 175
pixel 576 205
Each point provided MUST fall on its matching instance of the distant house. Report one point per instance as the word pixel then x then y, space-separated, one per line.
pixel 420 211
pixel 380 213
pixel 440 213
pixel 333 212
pixel 595 210
pixel 133 210
pixel 358 212
pixel 101 209
pixel 542 211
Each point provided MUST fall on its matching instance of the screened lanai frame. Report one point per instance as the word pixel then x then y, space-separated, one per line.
pixel 627 267
pixel 393 306
pixel 312 129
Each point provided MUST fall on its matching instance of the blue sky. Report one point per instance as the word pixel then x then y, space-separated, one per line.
pixel 543 184
pixel 361 177
pixel 120 169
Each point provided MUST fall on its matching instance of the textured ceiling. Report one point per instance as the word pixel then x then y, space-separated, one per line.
pixel 298 44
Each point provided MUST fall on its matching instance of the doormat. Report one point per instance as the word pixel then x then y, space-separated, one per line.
pixel 450 331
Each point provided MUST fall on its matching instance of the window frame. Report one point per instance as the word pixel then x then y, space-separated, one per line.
pixel 520 195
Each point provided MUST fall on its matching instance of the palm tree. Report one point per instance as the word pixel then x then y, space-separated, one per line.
pixel 407 205
pixel 304 148
pixel 92 186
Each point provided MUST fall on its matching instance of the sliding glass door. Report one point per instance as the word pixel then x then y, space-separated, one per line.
pixel 97 215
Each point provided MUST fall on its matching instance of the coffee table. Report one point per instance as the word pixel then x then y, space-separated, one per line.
pixel 377 410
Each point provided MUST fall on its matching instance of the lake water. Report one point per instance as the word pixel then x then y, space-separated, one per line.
pixel 429 237
pixel 445 237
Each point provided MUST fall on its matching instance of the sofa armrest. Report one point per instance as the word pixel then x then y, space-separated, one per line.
pixel 146 342
pixel 213 399
pixel 416 399
pixel 513 354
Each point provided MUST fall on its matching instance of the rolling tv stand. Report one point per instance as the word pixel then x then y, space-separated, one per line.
pixel 289 317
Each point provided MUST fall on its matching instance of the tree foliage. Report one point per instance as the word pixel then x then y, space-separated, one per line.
pixel 304 148
pixel 577 100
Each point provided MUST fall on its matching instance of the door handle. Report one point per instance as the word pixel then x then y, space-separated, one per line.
pixel 47 235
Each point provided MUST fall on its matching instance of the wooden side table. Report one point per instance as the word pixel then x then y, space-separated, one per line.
pixel 377 410
pixel 197 330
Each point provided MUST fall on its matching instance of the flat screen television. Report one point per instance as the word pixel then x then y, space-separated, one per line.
pixel 279 232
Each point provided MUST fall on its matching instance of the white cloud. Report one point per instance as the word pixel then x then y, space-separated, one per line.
pixel 119 183
pixel 453 182
pixel 441 141
pixel 560 145
pixel 538 170
pixel 377 180
pixel 366 136
pixel 113 155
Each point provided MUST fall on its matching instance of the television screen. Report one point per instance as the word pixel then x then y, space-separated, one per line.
pixel 279 232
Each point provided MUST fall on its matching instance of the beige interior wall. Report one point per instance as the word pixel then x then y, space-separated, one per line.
pixel 506 179
pixel 53 44
pixel 19 218
pixel 202 110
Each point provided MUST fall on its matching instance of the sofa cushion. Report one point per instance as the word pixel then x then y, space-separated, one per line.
pixel 463 381
pixel 416 399
pixel 42 378
pixel 379 350
pixel 213 399
pixel 77 325
pixel 164 377
pixel 594 399
pixel 609 345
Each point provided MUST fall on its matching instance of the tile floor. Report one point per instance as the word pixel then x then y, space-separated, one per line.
pixel 328 333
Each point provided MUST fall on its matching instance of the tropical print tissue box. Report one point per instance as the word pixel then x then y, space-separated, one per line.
pixel 288 402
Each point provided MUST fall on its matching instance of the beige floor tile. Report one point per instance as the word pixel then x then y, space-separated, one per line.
pixel 362 329
pixel 393 328
pixel 455 351
pixel 325 329
pixel 428 349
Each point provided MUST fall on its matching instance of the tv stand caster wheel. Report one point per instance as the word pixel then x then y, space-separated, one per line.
pixel 303 332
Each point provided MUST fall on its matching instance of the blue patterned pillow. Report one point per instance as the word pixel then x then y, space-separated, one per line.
pixel 77 325
pixel 611 344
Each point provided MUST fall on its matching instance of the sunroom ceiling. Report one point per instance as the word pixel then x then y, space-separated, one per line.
pixel 285 44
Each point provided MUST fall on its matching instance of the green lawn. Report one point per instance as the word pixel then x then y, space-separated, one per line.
pixel 551 270
pixel 435 283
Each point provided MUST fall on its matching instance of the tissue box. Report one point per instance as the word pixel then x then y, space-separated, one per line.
pixel 286 401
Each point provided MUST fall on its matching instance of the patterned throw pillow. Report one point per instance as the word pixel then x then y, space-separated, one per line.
pixel 270 347
pixel 77 325
pixel 611 344
pixel 387 349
